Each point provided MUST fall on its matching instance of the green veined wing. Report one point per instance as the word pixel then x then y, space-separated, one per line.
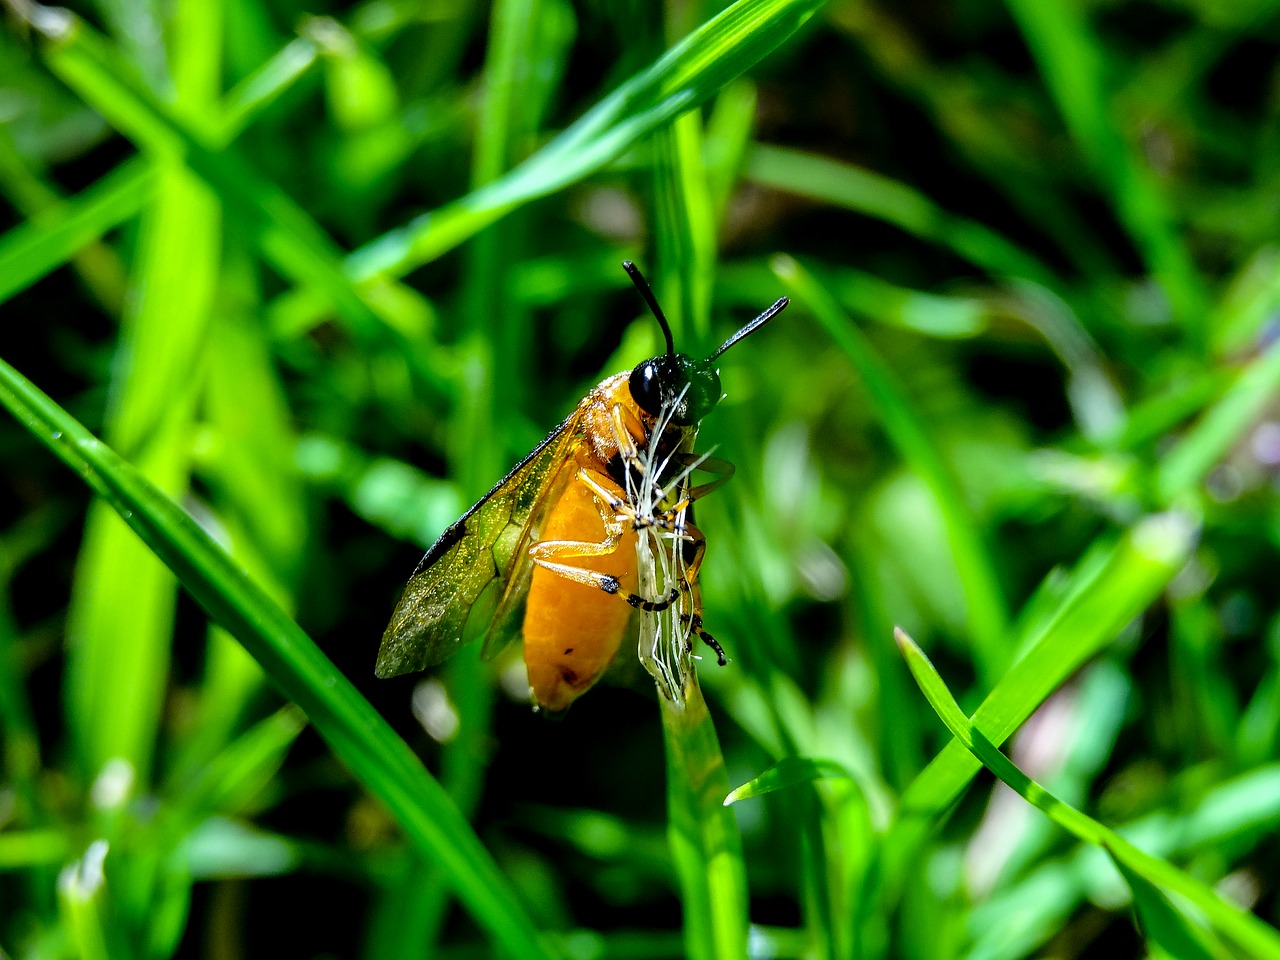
pixel 472 570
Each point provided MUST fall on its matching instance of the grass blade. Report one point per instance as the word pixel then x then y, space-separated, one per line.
pixel 1220 428
pixel 874 195
pixel 685 232
pixel 34 249
pixel 352 728
pixel 987 616
pixel 787 772
pixel 120 621
pixel 290 239
pixel 1071 63
pixel 1161 922
pixel 258 91
pixel 689 74
pixel 1109 589
pixel 705 844
pixel 1247 930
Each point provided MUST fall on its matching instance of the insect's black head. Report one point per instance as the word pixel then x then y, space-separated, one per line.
pixel 673 383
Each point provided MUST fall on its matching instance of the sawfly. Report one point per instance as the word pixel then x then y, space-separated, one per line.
pixel 590 532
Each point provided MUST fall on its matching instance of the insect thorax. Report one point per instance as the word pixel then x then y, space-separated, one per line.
pixel 618 431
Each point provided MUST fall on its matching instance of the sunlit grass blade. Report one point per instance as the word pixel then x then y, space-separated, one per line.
pixel 20 849
pixel 686 76
pixel 686 232
pixel 379 759
pixel 121 616
pixel 241 769
pixel 258 91
pixel 728 137
pixel 747 283
pixel 30 251
pixel 1221 427
pixel 787 772
pixel 81 901
pixel 1163 925
pixel 1071 61
pixel 987 617
pixel 248 464
pixel 876 195
pixel 1244 928
pixel 705 844
pixel 288 236
pixel 1111 586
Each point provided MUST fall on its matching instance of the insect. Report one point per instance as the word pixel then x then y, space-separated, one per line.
pixel 592 529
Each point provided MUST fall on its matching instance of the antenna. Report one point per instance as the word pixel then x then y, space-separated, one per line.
pixel 643 286
pixel 753 326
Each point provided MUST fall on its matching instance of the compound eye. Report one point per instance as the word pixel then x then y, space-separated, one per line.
pixel 646 387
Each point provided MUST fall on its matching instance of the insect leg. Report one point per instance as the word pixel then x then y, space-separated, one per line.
pixel 695 624
pixel 624 432
pixel 610 498
pixel 623 510
pixel 723 471
pixel 548 553
pixel 669 519
pixel 694 547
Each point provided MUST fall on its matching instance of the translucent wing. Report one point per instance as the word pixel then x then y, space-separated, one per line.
pixel 475 567
pixel 506 622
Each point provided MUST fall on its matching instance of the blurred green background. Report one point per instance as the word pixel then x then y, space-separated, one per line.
pixel 322 274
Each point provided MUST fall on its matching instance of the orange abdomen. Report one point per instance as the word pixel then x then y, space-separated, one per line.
pixel 571 630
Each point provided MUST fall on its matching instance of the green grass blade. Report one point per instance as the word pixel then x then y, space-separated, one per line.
pixel 987 617
pixel 944 705
pixel 27 848
pixel 787 772
pixel 689 74
pixel 875 195
pixel 82 903
pixel 1105 593
pixel 1220 428
pixel 1161 922
pixel 1246 929
pixel 34 249
pixel 354 730
pixel 289 238
pixel 1071 62
pixel 42 202
pixel 728 138
pixel 703 833
pixel 258 91
pixel 240 771
pixel 498 338
pixel 120 620
pixel 686 232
